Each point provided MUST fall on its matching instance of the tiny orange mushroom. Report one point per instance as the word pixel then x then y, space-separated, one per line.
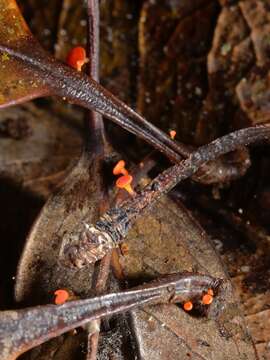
pixel 207 299
pixel 172 134
pixel 120 168
pixel 124 183
pixel 210 292
pixel 61 296
pixel 188 306
pixel 76 58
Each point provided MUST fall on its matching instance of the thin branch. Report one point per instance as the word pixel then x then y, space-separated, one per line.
pixel 98 140
pixel 96 124
pixel 92 242
pixel 21 330
pixel 76 87
pixel 94 327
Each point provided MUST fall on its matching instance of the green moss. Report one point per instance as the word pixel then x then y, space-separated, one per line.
pixel 5 57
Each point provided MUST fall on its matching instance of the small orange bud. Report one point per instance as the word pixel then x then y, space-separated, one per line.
pixel 210 292
pixel 188 306
pixel 207 299
pixel 61 296
pixel 120 168
pixel 124 249
pixel 124 183
pixel 172 134
pixel 76 58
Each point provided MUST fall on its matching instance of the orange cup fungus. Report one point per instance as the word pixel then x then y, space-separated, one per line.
pixel 172 134
pixel 76 58
pixel 124 182
pixel 188 306
pixel 61 296
pixel 120 168
pixel 207 299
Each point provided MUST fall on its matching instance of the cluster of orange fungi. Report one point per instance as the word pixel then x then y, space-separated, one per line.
pixel 125 180
pixel 76 58
pixel 207 299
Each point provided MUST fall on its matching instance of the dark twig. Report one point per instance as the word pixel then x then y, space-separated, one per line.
pixel 21 330
pixel 94 326
pixel 97 138
pixel 97 133
pixel 65 82
pixel 78 88
pixel 92 242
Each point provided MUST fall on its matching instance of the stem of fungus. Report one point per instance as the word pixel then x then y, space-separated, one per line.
pixel 94 241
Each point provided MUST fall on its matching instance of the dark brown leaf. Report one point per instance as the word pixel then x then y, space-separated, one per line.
pixel 37 147
pixel 174 39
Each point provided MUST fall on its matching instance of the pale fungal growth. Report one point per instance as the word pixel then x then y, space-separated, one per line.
pixel 172 134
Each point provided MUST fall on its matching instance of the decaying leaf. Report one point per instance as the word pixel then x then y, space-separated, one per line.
pixel 237 69
pixel 168 239
pixel 228 61
pixel 17 83
pixel 173 42
pixel 59 79
pixel 165 241
pixel 36 153
pixel 253 91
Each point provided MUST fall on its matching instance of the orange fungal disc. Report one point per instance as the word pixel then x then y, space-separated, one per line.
pixel 188 306
pixel 76 58
pixel 207 299
pixel 124 182
pixel 120 168
pixel 61 296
